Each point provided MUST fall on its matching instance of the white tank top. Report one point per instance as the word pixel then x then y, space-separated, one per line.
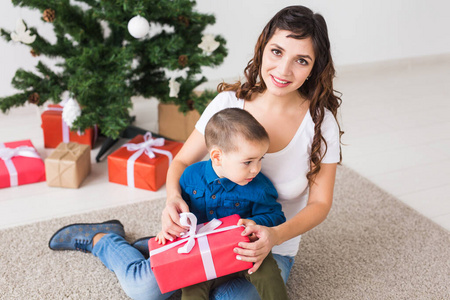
pixel 288 167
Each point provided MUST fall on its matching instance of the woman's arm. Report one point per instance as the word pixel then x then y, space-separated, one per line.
pixel 193 150
pixel 319 204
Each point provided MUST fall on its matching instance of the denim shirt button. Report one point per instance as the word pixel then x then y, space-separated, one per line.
pixel 194 192
pixel 211 212
pixel 218 181
pixel 213 196
pixel 237 204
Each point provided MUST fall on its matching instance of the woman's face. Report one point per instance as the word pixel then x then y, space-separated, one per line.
pixel 286 63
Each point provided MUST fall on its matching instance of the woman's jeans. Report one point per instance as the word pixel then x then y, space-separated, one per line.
pixel 137 280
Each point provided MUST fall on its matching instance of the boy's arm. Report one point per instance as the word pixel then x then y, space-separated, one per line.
pixel 267 211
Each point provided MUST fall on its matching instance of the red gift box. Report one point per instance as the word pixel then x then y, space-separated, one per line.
pixel 57 131
pixel 20 164
pixel 143 162
pixel 212 256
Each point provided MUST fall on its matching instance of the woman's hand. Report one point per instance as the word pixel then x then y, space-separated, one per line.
pixel 255 252
pixel 170 218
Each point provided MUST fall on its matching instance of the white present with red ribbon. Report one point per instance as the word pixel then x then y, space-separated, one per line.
pixel 205 253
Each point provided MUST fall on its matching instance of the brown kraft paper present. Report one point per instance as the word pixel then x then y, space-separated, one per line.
pixel 68 165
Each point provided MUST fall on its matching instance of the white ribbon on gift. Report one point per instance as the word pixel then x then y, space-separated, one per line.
pixel 200 233
pixel 6 154
pixel 145 147
pixel 65 127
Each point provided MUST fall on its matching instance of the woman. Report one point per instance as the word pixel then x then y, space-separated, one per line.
pixel 289 90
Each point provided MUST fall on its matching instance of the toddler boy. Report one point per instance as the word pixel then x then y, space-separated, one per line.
pixel 230 183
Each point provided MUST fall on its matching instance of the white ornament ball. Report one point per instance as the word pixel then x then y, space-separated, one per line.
pixel 138 27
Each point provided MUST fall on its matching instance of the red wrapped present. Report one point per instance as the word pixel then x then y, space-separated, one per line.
pixel 206 253
pixel 57 131
pixel 143 162
pixel 20 164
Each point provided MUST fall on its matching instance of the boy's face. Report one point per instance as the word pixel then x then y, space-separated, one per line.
pixel 242 165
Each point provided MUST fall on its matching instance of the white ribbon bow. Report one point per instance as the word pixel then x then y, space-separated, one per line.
pixel 6 154
pixel 193 233
pixel 27 151
pixel 145 147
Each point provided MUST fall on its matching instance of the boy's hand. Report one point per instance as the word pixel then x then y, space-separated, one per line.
pixel 162 237
pixel 246 223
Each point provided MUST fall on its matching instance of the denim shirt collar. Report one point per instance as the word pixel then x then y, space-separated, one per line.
pixel 211 177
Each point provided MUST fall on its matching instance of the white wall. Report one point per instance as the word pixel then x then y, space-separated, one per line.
pixel 361 31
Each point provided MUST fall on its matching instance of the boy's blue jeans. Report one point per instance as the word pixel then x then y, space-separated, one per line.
pixel 136 277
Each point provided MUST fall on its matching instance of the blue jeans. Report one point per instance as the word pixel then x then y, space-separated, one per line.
pixel 137 280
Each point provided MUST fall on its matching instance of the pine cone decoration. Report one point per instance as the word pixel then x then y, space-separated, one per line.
pixel 183 60
pixel 190 104
pixel 34 53
pixel 34 98
pixel 184 20
pixel 49 15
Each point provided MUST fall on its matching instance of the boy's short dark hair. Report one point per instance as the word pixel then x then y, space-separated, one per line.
pixel 226 125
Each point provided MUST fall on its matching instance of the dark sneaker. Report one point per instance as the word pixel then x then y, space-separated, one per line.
pixel 79 236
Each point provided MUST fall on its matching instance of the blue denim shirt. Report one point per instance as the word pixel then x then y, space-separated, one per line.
pixel 209 196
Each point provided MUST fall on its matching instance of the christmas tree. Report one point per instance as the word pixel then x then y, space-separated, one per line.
pixel 108 57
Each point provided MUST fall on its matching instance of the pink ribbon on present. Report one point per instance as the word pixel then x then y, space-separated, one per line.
pixel 147 147
pixel 200 233
pixel 6 154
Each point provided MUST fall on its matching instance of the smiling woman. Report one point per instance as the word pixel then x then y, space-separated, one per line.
pixel 287 63
pixel 289 91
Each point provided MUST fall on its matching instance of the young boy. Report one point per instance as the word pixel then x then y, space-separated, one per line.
pixel 231 183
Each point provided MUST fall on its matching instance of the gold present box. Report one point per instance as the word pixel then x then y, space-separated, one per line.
pixel 68 165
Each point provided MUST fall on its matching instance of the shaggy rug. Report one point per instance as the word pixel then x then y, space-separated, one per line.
pixel 370 247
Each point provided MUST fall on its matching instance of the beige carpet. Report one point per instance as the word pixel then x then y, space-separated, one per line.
pixel 370 247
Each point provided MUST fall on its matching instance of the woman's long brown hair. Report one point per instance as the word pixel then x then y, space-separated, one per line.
pixel 318 89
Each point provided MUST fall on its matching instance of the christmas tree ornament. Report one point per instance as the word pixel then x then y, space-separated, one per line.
pixel 49 15
pixel 71 111
pixel 184 20
pixel 22 34
pixel 174 88
pixel 190 104
pixel 34 53
pixel 182 60
pixel 208 44
pixel 34 98
pixel 138 27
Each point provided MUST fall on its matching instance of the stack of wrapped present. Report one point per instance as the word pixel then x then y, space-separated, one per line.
pixel 141 163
